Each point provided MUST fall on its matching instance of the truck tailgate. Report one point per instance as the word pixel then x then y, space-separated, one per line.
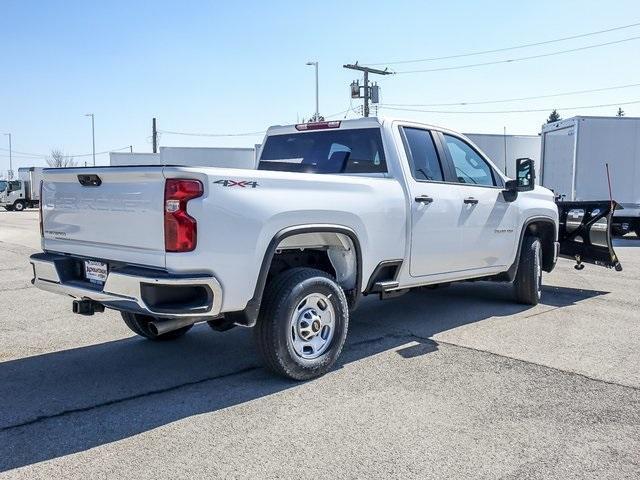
pixel 110 213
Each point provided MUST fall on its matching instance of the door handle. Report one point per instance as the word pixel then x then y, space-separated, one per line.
pixel 470 201
pixel 423 199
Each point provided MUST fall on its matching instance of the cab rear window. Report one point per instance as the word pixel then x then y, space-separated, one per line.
pixel 334 151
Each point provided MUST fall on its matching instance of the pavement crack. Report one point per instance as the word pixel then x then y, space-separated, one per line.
pixel 529 362
pixel 117 401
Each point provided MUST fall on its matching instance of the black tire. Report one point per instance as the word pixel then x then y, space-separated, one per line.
pixel 528 282
pixel 139 324
pixel 19 206
pixel 275 328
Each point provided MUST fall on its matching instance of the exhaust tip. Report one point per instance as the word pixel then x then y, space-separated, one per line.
pixel 153 328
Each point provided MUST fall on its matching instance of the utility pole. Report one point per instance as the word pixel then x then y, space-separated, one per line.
pixel 504 136
pixel 131 148
pixel 10 172
pixel 317 116
pixel 154 135
pixel 367 89
pixel 93 135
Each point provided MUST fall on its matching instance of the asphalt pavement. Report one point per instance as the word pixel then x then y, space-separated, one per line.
pixel 458 382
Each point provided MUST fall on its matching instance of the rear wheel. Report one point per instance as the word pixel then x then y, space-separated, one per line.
pixel 303 324
pixel 139 324
pixel 19 206
pixel 528 282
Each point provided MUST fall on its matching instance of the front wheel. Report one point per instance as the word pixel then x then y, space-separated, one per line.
pixel 19 206
pixel 139 324
pixel 528 282
pixel 303 324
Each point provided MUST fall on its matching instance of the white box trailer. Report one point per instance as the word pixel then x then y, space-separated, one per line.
pixel 575 152
pixel 504 150
pixel 209 157
pixel 119 159
pixel 189 156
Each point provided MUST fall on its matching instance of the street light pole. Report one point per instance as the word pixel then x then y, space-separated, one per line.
pixel 93 136
pixel 317 117
pixel 10 173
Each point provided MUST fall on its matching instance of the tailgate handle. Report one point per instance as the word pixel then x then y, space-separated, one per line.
pixel 89 180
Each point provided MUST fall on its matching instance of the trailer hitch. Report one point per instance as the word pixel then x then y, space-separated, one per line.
pixel 87 307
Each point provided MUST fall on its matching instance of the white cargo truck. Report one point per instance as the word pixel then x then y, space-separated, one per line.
pixel 23 192
pixel 575 153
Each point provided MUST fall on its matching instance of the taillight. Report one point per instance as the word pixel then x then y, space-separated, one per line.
pixel 180 229
pixel 40 210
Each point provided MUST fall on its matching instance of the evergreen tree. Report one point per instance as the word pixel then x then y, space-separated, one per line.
pixel 554 117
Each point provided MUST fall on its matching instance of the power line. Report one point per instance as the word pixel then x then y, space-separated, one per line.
pixel 40 155
pixel 505 49
pixel 511 111
pixel 507 100
pixel 243 134
pixel 519 59
pixel 22 153
pixel 192 134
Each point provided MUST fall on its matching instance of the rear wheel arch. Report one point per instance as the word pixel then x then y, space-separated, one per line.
pixel 339 266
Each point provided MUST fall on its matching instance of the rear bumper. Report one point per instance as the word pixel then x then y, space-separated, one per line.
pixel 132 289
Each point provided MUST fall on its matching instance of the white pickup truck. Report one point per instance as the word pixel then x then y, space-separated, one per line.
pixel 334 211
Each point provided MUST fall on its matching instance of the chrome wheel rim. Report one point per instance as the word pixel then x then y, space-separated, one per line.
pixel 312 326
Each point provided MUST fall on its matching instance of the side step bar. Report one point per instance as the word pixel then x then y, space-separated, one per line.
pixel 386 289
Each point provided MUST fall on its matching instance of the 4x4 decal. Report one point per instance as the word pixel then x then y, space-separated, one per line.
pixel 237 183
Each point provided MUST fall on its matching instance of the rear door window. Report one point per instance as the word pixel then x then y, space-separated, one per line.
pixel 329 151
pixel 423 156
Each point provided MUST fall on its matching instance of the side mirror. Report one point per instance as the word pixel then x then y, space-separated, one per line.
pixel 525 175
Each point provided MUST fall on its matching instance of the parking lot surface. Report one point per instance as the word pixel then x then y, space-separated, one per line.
pixel 458 382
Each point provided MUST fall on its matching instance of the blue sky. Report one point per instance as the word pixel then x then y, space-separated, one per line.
pixel 227 67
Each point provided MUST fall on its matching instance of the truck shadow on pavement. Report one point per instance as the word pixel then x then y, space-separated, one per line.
pixel 66 402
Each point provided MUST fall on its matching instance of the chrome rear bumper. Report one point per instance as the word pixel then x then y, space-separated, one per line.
pixel 130 289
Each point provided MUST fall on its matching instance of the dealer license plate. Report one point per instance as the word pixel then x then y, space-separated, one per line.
pixel 95 272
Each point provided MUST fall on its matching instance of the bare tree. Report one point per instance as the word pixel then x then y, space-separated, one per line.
pixel 57 159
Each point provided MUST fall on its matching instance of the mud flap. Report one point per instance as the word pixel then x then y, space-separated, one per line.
pixel 585 233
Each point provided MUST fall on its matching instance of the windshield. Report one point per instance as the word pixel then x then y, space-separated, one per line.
pixel 3 185
pixel 335 151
